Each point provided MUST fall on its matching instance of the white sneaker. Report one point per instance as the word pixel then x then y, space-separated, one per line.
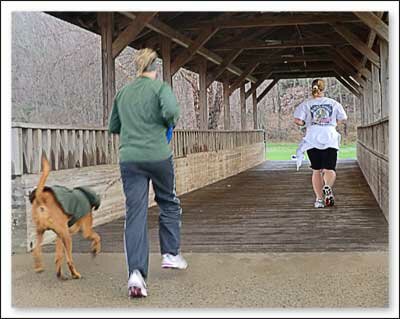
pixel 171 261
pixel 319 203
pixel 136 285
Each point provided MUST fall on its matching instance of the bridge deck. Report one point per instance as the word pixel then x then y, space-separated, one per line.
pixel 269 209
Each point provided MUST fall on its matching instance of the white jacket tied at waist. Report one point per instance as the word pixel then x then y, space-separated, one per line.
pixel 320 137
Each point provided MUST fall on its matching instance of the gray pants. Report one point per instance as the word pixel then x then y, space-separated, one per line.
pixel 135 179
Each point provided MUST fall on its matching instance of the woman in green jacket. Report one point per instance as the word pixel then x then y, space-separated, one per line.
pixel 143 111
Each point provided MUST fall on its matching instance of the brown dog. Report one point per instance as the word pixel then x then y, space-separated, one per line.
pixel 48 214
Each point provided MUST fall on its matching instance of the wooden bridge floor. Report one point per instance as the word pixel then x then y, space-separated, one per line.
pixel 269 209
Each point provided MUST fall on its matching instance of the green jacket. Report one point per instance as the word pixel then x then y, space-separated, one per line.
pixel 76 202
pixel 141 114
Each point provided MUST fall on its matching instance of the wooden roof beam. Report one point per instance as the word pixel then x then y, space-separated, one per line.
pixel 131 31
pixel 267 21
pixel 177 37
pixel 348 69
pixel 223 66
pixel 261 45
pixel 357 43
pixel 238 82
pixel 267 89
pixel 346 55
pixel 347 85
pixel 370 43
pixel 298 75
pixel 257 84
pixel 187 55
pixel 375 24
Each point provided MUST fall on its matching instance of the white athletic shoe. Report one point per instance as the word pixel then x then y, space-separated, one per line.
pixel 329 199
pixel 171 261
pixel 136 285
pixel 319 203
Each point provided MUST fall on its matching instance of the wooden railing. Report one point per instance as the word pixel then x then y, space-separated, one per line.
pixel 375 137
pixel 72 147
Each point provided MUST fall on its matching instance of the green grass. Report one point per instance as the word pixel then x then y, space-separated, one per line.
pixel 284 151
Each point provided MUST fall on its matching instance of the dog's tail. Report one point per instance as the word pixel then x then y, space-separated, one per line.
pixel 43 178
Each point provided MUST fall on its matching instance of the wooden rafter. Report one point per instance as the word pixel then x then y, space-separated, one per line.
pixel 253 22
pixel 186 55
pixel 223 66
pixel 239 81
pixel 311 74
pixel 260 81
pixel 374 23
pixel 357 43
pixel 179 38
pixel 261 45
pixel 346 55
pixel 287 60
pixel 267 89
pixel 371 40
pixel 131 31
pixel 349 69
pixel 347 85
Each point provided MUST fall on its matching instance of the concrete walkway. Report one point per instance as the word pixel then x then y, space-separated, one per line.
pixel 259 280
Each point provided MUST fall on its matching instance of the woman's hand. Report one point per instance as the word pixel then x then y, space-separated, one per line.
pixel 299 122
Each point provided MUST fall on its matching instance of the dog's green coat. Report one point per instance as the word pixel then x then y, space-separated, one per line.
pixel 76 202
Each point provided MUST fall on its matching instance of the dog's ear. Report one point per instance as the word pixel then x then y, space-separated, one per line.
pixel 32 195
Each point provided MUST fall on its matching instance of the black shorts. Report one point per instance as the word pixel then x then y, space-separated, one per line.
pixel 323 158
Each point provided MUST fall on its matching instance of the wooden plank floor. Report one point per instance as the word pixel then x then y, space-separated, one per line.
pixel 269 209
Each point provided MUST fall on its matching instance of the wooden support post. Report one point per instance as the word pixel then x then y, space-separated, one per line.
pixel 255 110
pixel 166 58
pixel 243 106
pixel 376 94
pixel 384 54
pixel 105 21
pixel 203 95
pixel 227 107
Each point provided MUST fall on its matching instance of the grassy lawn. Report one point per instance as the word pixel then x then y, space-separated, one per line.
pixel 284 151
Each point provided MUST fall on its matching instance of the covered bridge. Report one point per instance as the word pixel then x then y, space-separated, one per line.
pixel 234 48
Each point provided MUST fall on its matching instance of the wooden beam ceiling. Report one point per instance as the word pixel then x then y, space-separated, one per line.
pixel 262 45
pixel 274 21
pixel 177 37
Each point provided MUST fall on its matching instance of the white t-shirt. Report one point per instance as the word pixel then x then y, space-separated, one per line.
pixel 320 116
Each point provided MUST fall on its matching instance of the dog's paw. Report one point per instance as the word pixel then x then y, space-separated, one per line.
pixel 60 276
pixel 76 275
pixel 39 269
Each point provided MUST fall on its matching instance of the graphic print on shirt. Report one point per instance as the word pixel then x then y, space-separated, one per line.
pixel 321 114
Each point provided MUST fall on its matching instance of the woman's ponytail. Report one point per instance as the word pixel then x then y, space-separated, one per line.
pixel 318 86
